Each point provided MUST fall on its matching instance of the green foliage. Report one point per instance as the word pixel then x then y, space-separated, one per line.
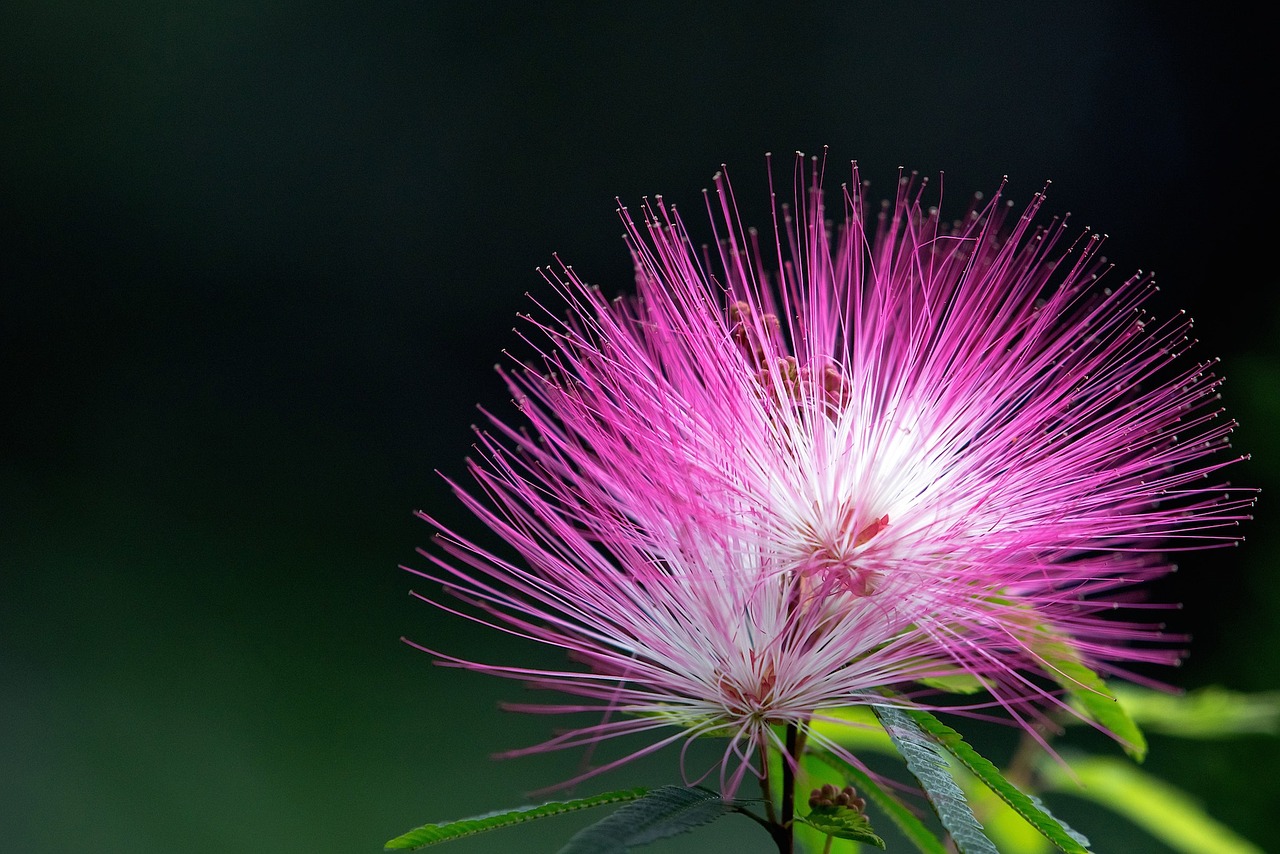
pixel 958 683
pixel 960 784
pixel 842 823
pixel 431 834
pixel 1024 805
pixel 1208 712
pixel 1167 813
pixel 1164 810
pixel 1008 830
pixel 928 764
pixel 665 811
pixel 857 728
pixel 1089 695
pixel 912 827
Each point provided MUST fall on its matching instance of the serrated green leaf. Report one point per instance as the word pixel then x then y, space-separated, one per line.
pixel 665 811
pixel 1074 834
pixel 1166 812
pixel 899 813
pixel 842 823
pixel 431 834
pixel 927 763
pixel 1088 693
pixel 1008 830
pixel 1029 808
pixel 1091 697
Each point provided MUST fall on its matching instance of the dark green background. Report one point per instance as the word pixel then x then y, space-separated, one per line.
pixel 259 258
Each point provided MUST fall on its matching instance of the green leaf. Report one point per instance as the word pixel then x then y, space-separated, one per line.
pixel 431 834
pixel 1089 695
pixel 1208 712
pixel 926 761
pixel 1008 830
pixel 913 828
pixel 1028 807
pixel 842 823
pixel 856 728
pixel 663 812
pixel 1074 834
pixel 958 683
pixel 1166 812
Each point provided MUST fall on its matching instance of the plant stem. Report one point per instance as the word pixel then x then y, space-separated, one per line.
pixel 1021 768
pixel 765 788
pixel 775 829
pixel 789 763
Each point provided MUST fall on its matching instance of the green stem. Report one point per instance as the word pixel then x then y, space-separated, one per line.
pixel 765 788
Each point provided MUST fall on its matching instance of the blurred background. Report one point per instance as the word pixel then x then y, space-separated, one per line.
pixel 259 259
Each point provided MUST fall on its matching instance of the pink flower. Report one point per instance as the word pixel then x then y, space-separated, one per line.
pixel 792 472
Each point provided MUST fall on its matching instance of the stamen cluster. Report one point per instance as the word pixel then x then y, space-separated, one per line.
pixel 787 475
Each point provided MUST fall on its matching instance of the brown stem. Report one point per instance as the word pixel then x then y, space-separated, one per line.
pixel 780 837
pixel 789 762
pixel 1021 768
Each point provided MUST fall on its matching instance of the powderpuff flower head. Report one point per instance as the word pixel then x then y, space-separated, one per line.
pixel 862 450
